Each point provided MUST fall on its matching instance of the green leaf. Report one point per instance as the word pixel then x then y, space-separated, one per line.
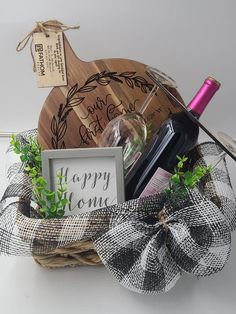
pixel 23 158
pixel 59 194
pixel 41 181
pixel 175 178
pixel 62 189
pixel 64 202
pixel 38 158
pixel 53 208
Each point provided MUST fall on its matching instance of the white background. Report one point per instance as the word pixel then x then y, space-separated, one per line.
pixel 188 40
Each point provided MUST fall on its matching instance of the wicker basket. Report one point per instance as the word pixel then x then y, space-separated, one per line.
pixel 122 233
pixel 75 254
pixel 84 253
pixel 41 235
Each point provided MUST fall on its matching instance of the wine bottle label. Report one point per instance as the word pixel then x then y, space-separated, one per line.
pixel 49 59
pixel 159 181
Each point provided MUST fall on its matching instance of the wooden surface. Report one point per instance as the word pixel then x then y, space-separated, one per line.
pixel 75 115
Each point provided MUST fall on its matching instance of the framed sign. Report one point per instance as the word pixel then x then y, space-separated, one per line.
pixel 93 176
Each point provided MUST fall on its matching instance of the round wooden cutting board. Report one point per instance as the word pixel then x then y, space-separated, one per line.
pixel 75 115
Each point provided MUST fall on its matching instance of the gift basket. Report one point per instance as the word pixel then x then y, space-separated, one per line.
pixel 151 237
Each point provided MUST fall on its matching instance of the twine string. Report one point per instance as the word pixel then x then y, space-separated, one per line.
pixel 162 219
pixel 43 27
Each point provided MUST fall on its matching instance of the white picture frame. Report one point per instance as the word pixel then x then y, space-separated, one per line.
pixel 94 176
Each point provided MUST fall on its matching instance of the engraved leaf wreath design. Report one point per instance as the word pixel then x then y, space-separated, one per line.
pixel 73 99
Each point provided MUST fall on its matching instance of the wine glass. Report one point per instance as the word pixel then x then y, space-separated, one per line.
pixel 130 130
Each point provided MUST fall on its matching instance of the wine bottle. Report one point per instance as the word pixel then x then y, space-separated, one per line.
pixel 176 136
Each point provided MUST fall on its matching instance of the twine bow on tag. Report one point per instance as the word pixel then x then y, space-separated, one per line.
pixel 43 27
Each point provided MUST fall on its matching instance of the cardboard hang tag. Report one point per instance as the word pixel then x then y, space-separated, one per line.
pixel 49 57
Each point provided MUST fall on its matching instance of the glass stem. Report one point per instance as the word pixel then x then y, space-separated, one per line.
pixel 148 98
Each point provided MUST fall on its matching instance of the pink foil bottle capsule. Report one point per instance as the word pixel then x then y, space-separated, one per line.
pixel 203 96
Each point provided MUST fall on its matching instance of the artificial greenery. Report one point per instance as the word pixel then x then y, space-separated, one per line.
pixel 181 182
pixel 150 130
pixel 51 204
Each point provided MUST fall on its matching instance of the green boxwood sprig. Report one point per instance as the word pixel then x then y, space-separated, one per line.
pixel 181 182
pixel 51 204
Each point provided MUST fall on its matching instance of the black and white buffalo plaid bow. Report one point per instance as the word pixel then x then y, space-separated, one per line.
pixel 145 243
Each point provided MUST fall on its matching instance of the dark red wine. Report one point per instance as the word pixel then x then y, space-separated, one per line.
pixel 176 136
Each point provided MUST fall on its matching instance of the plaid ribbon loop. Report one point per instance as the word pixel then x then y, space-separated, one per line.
pixel 146 243
pixel 149 258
